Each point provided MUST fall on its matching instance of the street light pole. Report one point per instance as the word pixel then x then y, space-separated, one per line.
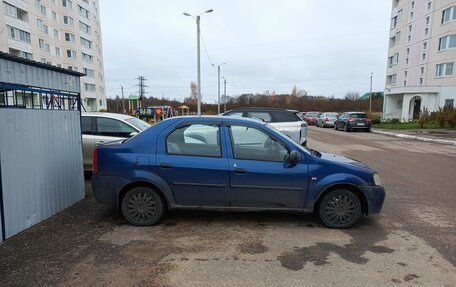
pixel 370 95
pixel 198 60
pixel 218 85
pixel 224 94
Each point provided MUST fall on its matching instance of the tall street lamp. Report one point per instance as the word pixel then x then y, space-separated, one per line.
pixel 218 99
pixel 224 94
pixel 198 61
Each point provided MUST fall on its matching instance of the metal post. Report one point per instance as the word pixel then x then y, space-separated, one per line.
pixel 370 95
pixel 198 64
pixel 224 94
pixel 123 103
pixel 218 99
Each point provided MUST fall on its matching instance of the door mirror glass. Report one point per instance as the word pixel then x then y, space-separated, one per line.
pixel 295 156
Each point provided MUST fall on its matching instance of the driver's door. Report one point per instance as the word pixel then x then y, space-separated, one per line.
pixel 260 176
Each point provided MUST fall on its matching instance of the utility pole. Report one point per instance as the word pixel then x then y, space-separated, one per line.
pixel 370 94
pixel 218 84
pixel 224 94
pixel 142 91
pixel 123 103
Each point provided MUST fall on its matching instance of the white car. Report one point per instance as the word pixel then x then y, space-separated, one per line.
pixel 100 128
pixel 284 120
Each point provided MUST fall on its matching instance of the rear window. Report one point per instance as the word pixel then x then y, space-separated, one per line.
pixel 358 116
pixel 312 114
pixel 284 116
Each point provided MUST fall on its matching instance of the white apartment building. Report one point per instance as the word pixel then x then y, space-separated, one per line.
pixel 421 70
pixel 64 33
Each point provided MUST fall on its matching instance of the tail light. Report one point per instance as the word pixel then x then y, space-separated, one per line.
pixel 95 162
pixel 303 125
pixel 351 119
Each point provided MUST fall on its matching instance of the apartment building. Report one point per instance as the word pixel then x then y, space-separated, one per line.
pixel 64 33
pixel 421 71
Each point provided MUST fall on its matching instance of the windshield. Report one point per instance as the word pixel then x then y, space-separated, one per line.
pixel 137 123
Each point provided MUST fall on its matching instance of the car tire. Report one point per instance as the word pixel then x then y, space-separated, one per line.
pixel 142 206
pixel 335 127
pixel 339 209
pixel 346 129
pixel 368 130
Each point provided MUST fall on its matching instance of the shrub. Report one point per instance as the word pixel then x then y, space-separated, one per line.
pixel 451 117
pixel 424 117
pixel 375 117
pixel 440 117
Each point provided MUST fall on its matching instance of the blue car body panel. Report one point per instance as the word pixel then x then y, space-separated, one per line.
pixel 205 182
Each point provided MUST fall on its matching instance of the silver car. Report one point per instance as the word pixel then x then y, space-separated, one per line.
pixel 100 128
pixel 326 120
pixel 286 121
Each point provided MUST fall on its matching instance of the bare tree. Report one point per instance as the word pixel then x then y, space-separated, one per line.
pixel 352 96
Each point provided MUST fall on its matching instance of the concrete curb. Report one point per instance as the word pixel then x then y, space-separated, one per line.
pixel 423 139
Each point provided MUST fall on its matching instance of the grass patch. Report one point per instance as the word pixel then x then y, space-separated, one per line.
pixel 405 126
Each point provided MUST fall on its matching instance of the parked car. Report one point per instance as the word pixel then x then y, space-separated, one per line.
pixel 286 121
pixel 230 163
pixel 301 114
pixel 326 120
pixel 353 121
pixel 311 118
pixel 99 128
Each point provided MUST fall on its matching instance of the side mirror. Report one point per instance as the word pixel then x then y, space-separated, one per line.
pixel 295 157
pixel 132 134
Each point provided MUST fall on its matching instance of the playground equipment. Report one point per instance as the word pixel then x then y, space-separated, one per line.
pixel 154 114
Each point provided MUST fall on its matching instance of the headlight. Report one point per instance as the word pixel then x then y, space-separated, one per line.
pixel 377 180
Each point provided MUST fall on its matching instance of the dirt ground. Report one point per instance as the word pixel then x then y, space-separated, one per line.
pixel 410 244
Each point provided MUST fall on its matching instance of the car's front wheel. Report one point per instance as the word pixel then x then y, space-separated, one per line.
pixel 339 208
pixel 142 206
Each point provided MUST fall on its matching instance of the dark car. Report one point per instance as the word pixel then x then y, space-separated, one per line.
pixel 353 121
pixel 286 121
pixel 311 118
pixel 230 163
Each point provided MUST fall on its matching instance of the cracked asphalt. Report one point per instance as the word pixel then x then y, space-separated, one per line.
pixel 412 243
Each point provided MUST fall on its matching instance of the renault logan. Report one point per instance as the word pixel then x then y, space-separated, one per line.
pixel 230 163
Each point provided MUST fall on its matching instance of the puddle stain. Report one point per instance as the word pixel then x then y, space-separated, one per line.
pixel 252 248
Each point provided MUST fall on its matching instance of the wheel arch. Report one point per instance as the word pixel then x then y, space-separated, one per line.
pixel 142 183
pixel 350 187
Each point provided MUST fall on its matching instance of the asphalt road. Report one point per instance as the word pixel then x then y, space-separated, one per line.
pixel 412 243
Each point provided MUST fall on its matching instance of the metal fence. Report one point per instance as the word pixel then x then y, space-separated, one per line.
pixel 41 169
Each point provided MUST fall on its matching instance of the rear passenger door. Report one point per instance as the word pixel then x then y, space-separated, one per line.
pixel 192 160
pixel 111 130
pixel 88 141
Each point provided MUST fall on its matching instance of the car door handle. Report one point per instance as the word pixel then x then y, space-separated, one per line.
pixel 165 165
pixel 240 171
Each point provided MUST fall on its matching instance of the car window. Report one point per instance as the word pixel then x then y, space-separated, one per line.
pixel 86 125
pixel 358 116
pixel 264 116
pixel 312 115
pixel 284 116
pixel 331 115
pixel 234 114
pixel 113 128
pixel 252 144
pixel 137 123
pixel 195 140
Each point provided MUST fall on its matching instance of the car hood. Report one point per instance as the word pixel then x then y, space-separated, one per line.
pixel 343 160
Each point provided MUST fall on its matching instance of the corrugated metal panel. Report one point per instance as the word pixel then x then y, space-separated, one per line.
pixel 41 165
pixel 22 74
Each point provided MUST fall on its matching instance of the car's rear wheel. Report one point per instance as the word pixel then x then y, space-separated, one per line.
pixel 368 130
pixel 346 129
pixel 339 208
pixel 142 206
pixel 335 127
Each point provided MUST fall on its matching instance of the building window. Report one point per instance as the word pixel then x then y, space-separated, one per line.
pixel 393 60
pixel 54 16
pixel 410 29
pixel 426 32
pixel 428 20
pixel 422 70
pixel 18 34
pixel 423 56
pixel 57 51
pixel 101 103
pixel 429 5
pixel 41 26
pixel 409 38
pixel 405 74
pixel 83 12
pixel 406 61
pixel 449 14
pixel 73 68
pixel 424 45
pixel 70 38
pixel 412 5
pixel 71 54
pixel 445 69
pixel 411 15
pixel 391 79
pixel 87 58
pixel 449 103
pixel 56 33
pixel 86 43
pixel 38 4
pixel 89 73
pixel 447 42
pixel 407 51
pixel 90 87
pixel 421 81
pixel 43 10
pixel 15 12
pixel 67 20
pixel 405 83
pixel 44 46
pixel 67 3
pixel 84 27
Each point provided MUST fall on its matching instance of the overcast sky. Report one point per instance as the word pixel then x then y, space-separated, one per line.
pixel 326 47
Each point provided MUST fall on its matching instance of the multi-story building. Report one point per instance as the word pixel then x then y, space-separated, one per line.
pixel 64 33
pixel 421 70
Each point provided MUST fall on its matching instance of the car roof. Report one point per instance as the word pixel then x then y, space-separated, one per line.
pixel 355 112
pixel 223 119
pixel 261 109
pixel 107 115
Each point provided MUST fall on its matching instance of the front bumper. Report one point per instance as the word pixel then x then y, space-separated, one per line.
pixel 106 189
pixel 375 196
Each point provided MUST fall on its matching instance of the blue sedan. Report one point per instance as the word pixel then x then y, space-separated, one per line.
pixel 229 163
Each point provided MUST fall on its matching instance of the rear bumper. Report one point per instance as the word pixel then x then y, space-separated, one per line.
pixel 356 126
pixel 375 196
pixel 106 189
